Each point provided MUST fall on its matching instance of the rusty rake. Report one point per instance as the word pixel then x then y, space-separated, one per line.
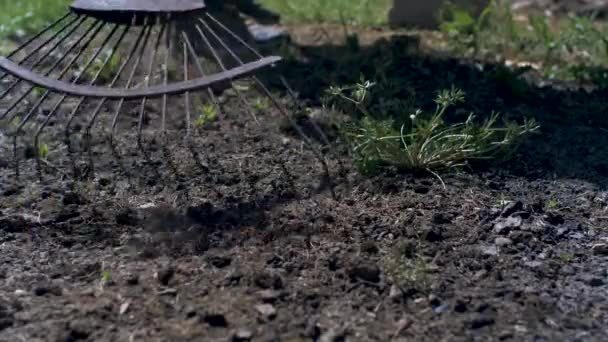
pixel 80 72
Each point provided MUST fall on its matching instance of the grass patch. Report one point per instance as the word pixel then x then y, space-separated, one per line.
pixel 349 12
pixel 565 48
pixel 422 141
pixel 22 18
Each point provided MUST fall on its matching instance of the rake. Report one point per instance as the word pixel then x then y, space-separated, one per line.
pixel 80 72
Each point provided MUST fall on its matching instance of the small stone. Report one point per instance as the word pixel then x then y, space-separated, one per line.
pixel 369 247
pixel 332 335
pixel 502 241
pixel 269 296
pixel 124 307
pixel 165 275
pixel 395 293
pixel 220 261
pixel 433 234
pixel 554 218
pixel 366 272
pixel 127 217
pixel 441 218
pixel 600 249
pixel 20 293
pixel 512 208
pixel 267 280
pixel 594 281
pixel 533 264
pixel 488 250
pixel 132 279
pixel 242 335
pixel 481 321
pixel 504 226
pixel 215 320
pixel 266 310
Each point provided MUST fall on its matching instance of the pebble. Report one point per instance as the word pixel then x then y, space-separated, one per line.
pixel 269 296
pixel 366 272
pixel 266 310
pixel 600 249
pixel 503 241
pixel 504 226
pixel 489 250
pixel 165 275
pixel 512 208
pixel 242 335
pixel 20 293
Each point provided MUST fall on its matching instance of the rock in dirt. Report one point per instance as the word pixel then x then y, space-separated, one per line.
pixel 442 218
pixel 266 310
pixel 220 261
pixel 242 335
pixel 165 275
pixel 269 296
pixel 365 271
pixel 433 234
pixel 504 226
pixel 600 249
pixel 267 280
pixel 127 217
pixel 132 279
pixel 554 218
pixel 488 250
pixel 481 322
pixel 502 241
pixel 512 208
pixel 332 335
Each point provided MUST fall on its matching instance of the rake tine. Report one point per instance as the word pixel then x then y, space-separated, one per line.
pixel 275 102
pixel 190 48
pixel 130 79
pixel 147 82
pixel 41 100
pixel 188 139
pixel 61 74
pixel 166 153
pixel 44 56
pixel 218 60
pixel 142 109
pixel 38 35
pixel 55 108
pixel 145 31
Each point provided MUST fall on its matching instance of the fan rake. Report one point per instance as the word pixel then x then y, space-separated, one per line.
pixel 105 61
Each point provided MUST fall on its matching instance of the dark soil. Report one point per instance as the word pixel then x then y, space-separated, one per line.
pixel 245 242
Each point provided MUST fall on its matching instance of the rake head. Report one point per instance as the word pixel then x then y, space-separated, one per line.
pixel 111 66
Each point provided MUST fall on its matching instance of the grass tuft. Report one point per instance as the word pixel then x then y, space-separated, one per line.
pixel 424 141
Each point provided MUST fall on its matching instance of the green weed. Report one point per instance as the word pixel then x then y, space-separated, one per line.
pixel 207 114
pixel 424 141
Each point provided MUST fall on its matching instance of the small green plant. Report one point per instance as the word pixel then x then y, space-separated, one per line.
pixel 38 91
pixel 43 151
pixel 208 113
pixel 553 204
pixel 105 70
pixel 260 104
pixel 566 257
pixel 425 141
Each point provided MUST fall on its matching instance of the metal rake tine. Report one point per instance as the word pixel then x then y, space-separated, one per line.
pixel 186 94
pixel 218 60
pixel 147 81
pixel 14 105
pixel 97 75
pixel 55 108
pixel 130 79
pixel 275 102
pixel 189 48
pixel 43 57
pixel 38 35
pixel 71 63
